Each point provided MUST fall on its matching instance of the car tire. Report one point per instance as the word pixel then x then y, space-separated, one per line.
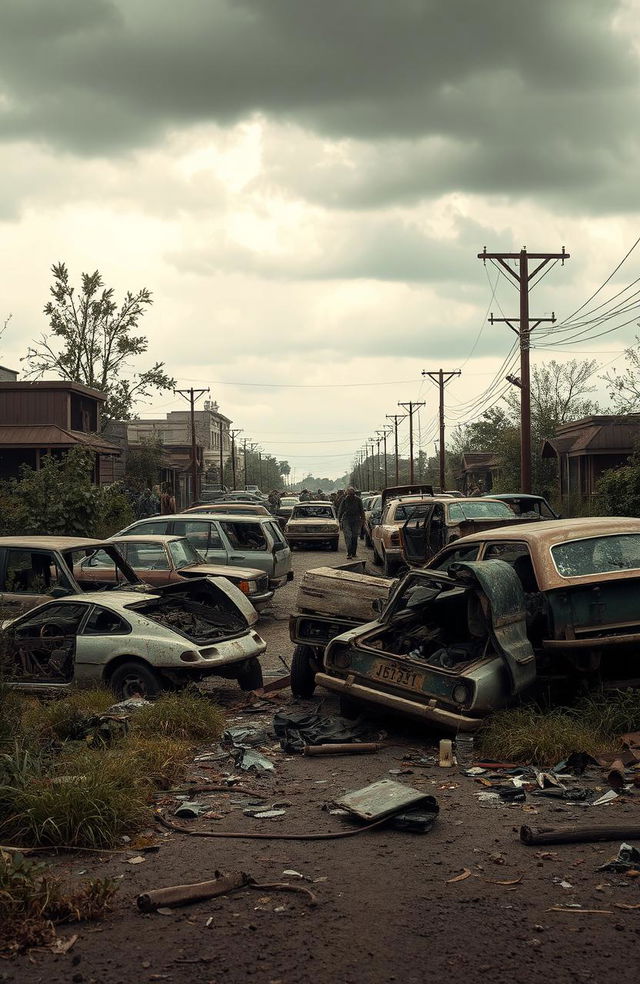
pixel 250 676
pixel 388 567
pixel 334 544
pixel 376 559
pixel 303 676
pixel 135 679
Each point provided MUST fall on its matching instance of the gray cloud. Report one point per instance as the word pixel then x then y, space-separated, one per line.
pixel 519 101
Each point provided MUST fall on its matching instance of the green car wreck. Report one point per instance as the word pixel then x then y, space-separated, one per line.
pixel 448 648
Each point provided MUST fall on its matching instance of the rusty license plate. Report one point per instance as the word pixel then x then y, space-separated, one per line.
pixel 387 672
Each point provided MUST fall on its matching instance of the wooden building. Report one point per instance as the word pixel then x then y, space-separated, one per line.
pixel 478 469
pixel 50 417
pixel 588 447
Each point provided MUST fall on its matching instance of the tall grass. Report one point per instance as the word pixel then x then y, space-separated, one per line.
pixel 545 737
pixel 187 716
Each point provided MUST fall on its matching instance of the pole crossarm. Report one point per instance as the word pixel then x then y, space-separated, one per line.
pixel 521 272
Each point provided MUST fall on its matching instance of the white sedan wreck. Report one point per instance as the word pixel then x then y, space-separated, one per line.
pixel 136 642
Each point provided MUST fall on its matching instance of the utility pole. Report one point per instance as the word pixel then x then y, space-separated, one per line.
pixel 191 395
pixel 252 447
pixel 376 480
pixel 221 456
pixel 234 433
pixel 397 419
pixel 383 437
pixel 441 378
pixel 523 277
pixel 411 408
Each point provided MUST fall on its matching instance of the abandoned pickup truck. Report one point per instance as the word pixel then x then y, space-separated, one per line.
pixel 492 616
pixel 137 643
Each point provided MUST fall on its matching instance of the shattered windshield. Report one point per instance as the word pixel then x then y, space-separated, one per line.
pixel 183 554
pixel 416 592
pixel 597 555
pixel 459 511
pixel 412 510
pixel 313 512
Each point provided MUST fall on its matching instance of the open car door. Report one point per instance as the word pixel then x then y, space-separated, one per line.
pixel 501 591
pixel 415 540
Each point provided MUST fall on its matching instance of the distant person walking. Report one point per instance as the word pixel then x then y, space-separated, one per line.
pixel 351 518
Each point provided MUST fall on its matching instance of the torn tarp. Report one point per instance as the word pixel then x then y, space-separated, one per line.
pixel 296 731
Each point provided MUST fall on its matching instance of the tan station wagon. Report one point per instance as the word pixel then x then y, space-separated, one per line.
pixel 313 523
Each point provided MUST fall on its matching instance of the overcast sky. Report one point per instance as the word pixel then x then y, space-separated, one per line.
pixel 305 185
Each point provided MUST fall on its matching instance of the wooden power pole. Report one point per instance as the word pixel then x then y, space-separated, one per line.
pixel 441 378
pixel 411 408
pixel 523 276
pixel 397 418
pixel 234 433
pixel 191 395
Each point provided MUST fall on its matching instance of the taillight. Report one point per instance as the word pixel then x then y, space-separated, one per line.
pixel 395 539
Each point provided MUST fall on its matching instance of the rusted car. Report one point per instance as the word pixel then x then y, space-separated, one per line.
pixel 37 568
pixel 526 506
pixel 492 617
pixel 313 524
pixel 135 642
pixel 158 560
pixel 440 519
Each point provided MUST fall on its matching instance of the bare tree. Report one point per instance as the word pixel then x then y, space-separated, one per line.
pixel 91 341
pixel 624 387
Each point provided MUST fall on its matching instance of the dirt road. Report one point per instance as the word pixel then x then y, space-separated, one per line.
pixel 388 908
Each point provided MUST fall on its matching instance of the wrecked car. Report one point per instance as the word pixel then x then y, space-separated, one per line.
pixel 160 560
pixel 441 518
pixel 136 643
pixel 37 568
pixel 313 524
pixel 492 616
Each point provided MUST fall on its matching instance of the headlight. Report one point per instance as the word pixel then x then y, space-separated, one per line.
pixel 460 694
pixel 341 658
pixel 247 587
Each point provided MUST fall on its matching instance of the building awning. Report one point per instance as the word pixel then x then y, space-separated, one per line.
pixel 49 436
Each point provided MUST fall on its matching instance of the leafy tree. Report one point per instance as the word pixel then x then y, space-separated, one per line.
pixel 92 341
pixel 144 464
pixel 624 387
pixel 619 490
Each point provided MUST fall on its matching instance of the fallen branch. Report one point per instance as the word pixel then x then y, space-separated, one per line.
pixel 578 835
pixel 219 789
pixel 197 892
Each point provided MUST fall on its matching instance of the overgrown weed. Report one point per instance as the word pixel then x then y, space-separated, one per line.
pixel 33 902
pixel 187 716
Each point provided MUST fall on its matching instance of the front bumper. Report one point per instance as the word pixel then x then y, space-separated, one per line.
pixel 425 712
pixel 260 600
pixel 312 537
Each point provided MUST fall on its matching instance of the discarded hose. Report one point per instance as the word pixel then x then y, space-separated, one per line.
pixel 578 835
pixel 251 836
pixel 285 887
pixel 222 789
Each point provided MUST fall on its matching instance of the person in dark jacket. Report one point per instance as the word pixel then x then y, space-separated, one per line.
pixel 351 519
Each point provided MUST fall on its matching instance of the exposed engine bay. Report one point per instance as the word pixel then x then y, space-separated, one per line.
pixel 444 628
pixel 199 621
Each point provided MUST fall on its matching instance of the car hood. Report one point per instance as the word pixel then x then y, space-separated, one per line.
pixel 218 592
pixel 220 570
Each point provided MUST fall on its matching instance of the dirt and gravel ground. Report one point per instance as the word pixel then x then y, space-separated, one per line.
pixel 387 909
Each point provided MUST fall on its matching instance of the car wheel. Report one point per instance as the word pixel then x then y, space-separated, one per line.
pixel 303 676
pixel 135 680
pixel 376 558
pixel 250 676
pixel 334 544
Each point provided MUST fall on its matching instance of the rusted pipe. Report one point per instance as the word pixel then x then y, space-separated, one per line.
pixel 616 777
pixel 350 748
pixel 196 892
pixel 578 835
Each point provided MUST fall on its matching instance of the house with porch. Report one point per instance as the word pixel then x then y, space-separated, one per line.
pixel 586 448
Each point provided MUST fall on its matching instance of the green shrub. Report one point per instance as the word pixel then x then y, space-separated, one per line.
pixel 62 718
pixel 184 715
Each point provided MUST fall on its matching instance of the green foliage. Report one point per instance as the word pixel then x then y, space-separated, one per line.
pixel 144 464
pixel 92 341
pixel 61 718
pixel 618 490
pixel 32 901
pixel 61 499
